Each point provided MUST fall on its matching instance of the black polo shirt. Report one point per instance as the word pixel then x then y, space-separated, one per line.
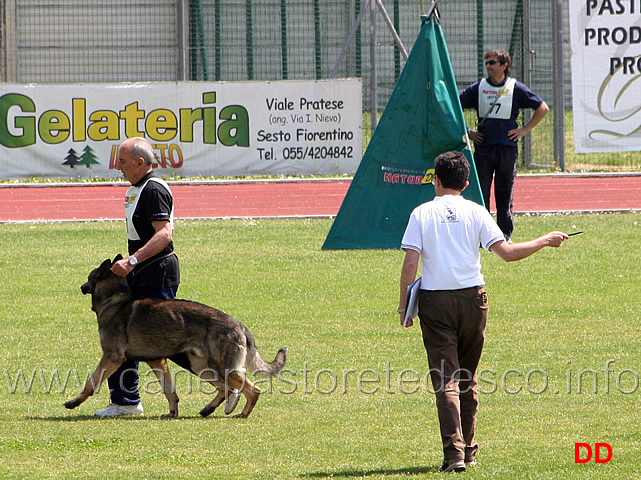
pixel 148 201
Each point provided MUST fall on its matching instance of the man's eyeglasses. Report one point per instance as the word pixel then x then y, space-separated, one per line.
pixel 491 62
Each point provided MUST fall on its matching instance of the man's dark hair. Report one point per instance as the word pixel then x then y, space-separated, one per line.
pixel 452 169
pixel 503 57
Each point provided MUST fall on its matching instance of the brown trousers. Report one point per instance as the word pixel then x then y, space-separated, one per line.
pixel 453 324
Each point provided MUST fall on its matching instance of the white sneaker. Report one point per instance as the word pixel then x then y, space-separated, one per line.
pixel 115 410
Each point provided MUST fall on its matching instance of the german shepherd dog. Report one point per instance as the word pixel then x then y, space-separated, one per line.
pixel 206 341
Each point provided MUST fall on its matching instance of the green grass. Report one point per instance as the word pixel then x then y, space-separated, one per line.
pixel 339 411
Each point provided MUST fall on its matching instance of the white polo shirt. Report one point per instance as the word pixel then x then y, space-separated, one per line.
pixel 447 232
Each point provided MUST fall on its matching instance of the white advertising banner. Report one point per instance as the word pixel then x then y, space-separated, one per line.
pixel 606 74
pixel 196 128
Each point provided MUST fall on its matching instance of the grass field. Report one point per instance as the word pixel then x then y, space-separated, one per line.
pixel 561 363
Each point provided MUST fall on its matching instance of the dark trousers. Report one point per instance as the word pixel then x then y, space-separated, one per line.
pixel 123 383
pixel 498 162
pixel 453 325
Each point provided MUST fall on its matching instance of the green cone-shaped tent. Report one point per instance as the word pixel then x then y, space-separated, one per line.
pixel 423 119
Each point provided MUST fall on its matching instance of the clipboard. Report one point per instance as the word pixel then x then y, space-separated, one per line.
pixel 411 303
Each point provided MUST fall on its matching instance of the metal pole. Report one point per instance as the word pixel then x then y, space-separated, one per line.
pixel 480 50
pixel 218 40
pixel 397 28
pixel 432 10
pixel 318 52
pixel 198 44
pixel 283 40
pixel 528 64
pixel 372 56
pixel 358 49
pixel 389 23
pixel 356 26
pixel 11 45
pixel 559 81
pixel 182 22
pixel 249 39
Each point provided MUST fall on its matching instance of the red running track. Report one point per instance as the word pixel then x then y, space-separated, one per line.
pixel 532 193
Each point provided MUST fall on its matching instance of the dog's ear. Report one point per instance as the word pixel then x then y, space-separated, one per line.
pixel 106 265
pixel 118 257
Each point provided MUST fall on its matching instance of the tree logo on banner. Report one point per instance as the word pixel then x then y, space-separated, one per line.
pixel 88 158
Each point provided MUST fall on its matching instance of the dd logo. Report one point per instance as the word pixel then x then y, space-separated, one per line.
pixel 578 447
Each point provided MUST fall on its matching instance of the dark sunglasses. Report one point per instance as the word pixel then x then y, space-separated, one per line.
pixel 491 62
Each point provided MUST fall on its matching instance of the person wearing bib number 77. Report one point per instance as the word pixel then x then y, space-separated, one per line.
pixel 498 100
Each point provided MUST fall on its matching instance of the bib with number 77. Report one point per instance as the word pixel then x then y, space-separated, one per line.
pixel 502 108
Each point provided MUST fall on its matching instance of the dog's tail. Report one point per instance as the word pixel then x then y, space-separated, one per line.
pixel 259 366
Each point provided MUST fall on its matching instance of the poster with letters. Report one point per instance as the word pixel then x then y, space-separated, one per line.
pixel 606 75
pixel 197 129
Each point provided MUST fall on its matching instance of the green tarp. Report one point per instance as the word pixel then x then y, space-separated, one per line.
pixel 423 119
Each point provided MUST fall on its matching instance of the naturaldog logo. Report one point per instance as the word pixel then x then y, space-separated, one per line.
pixel 405 176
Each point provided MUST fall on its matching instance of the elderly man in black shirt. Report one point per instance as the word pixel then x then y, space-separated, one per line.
pixel 152 269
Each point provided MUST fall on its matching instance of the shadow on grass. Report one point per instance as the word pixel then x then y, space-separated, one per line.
pixel 371 473
pixel 129 418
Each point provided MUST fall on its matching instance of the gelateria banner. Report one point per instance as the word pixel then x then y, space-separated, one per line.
pixel 606 74
pixel 196 128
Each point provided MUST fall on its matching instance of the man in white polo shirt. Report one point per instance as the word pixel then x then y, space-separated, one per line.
pixel 445 235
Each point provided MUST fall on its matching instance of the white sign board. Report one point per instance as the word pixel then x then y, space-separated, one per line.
pixel 606 75
pixel 196 128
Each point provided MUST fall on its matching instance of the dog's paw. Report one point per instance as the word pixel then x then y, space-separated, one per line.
pixel 205 412
pixel 170 415
pixel 71 404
